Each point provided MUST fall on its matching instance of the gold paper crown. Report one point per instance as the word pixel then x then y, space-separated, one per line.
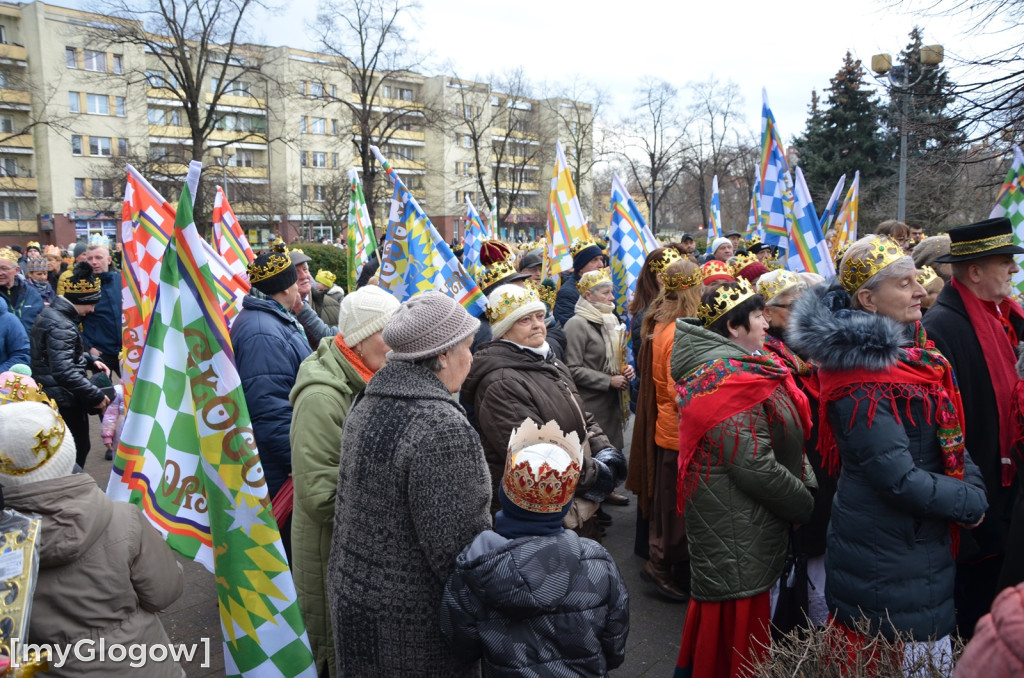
pixel 546 294
pixel 678 281
pixel 558 458
pixel 741 261
pixel 884 251
pixel 278 260
pixel 726 298
pixel 530 246
pixel 8 253
pixel 82 285
pixel 837 254
pixel 33 243
pixel 926 275
pixel 770 287
pixel 581 245
pixel 494 273
pixel 668 255
pixel 773 264
pixel 498 309
pixel 18 388
pixel 592 279
pixel 52 250
pixel 754 239
pixel 325 277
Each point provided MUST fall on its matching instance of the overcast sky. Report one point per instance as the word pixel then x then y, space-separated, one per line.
pixel 788 47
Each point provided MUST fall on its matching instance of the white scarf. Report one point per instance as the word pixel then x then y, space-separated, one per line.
pixel 612 331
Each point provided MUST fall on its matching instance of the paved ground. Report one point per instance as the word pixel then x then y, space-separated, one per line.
pixel 655 625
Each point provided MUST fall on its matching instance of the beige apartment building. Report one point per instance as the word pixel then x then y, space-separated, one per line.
pixel 74 108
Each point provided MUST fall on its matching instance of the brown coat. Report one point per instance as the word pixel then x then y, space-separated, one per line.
pixel 104 572
pixel 509 384
pixel 585 357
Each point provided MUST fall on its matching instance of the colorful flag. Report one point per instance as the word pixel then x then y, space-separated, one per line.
pixel 566 224
pixel 1010 204
pixel 754 218
pixel 808 250
pixel 362 240
pixel 186 457
pixel 475 236
pixel 846 220
pixel 630 243
pixel 229 238
pixel 494 219
pixel 829 214
pixel 416 258
pixel 146 223
pixel 715 227
pixel 776 181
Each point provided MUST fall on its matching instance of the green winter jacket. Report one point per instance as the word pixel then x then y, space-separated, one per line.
pixel 324 389
pixel 739 516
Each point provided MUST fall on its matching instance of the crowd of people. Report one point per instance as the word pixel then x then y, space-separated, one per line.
pixel 439 480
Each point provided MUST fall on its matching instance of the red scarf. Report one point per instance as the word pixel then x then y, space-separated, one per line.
pixel 720 389
pixel 803 373
pixel 354 360
pixel 991 323
pixel 921 371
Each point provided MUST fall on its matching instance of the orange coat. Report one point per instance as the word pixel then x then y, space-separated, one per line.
pixel 666 427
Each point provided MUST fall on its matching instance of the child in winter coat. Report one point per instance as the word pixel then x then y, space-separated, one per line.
pixel 113 420
pixel 529 596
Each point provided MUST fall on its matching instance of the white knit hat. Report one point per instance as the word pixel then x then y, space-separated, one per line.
pixel 507 304
pixel 718 242
pixel 34 444
pixel 364 313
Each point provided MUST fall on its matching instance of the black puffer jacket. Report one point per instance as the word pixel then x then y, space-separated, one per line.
pixel 888 556
pixel 59 360
pixel 537 606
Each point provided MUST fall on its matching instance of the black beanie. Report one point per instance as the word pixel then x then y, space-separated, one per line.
pixel 82 286
pixel 272 272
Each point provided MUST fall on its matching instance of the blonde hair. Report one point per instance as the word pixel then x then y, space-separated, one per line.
pixel 672 304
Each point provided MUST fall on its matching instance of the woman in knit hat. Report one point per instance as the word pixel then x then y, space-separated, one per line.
pixel 517 376
pixel 60 362
pixel 894 431
pixel 104 571
pixel 327 383
pixel 412 491
pixel 501 603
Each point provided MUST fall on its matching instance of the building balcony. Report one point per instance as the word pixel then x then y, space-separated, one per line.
pixel 184 133
pixel 15 96
pixel 499 133
pixel 234 101
pixel 19 226
pixel 21 184
pixel 403 164
pixel 15 52
pixel 16 141
pixel 509 186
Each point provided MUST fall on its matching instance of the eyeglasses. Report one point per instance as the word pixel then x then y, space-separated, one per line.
pixel 785 306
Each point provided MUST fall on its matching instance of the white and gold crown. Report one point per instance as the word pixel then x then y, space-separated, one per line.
pixel 542 467
pixel 500 308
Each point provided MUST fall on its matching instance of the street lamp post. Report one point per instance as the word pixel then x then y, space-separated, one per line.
pixel 222 156
pixel 899 81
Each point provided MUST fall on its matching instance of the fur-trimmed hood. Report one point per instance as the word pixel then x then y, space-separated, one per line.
pixel 823 328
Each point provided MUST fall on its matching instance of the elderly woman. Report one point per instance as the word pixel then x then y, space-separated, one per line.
pixel 327 383
pixel 413 490
pixel 655 448
pixel 895 422
pixel 743 478
pixel 595 347
pixel 516 377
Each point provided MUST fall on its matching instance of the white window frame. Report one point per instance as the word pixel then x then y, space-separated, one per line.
pixel 100 147
pixel 103 109
pixel 92 58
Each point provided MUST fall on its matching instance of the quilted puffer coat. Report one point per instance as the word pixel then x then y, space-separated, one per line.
pixel 537 606
pixel 59 360
pixel 739 516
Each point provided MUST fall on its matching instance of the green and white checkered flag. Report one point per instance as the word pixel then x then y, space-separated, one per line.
pixel 362 241
pixel 188 459
pixel 1010 204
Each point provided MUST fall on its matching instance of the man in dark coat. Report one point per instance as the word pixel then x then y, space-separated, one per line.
pixel 586 257
pixel 269 346
pixel 977 328
pixel 22 299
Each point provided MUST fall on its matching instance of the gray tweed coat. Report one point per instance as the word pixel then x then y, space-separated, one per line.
pixel 413 491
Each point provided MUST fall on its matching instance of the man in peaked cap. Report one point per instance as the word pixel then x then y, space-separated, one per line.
pixel 977 327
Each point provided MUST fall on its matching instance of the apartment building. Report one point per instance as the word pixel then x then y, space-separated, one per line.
pixel 75 106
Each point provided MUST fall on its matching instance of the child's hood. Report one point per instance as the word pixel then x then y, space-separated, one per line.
pixel 521 577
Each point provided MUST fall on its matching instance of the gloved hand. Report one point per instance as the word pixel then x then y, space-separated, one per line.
pixel 611 470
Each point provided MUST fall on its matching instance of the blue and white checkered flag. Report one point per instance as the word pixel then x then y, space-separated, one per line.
pixel 631 242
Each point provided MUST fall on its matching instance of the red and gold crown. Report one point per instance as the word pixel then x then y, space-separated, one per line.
pixel 855 272
pixel 741 261
pixel 772 284
pixel 542 467
pixel 660 263
pixel 495 251
pixel 726 298
pixel 716 271
pixel 592 279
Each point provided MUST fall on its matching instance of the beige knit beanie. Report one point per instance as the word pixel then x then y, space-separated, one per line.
pixel 365 312
pixel 507 304
pixel 427 325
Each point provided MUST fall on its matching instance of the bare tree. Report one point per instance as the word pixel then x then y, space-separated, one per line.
pixel 652 143
pixel 367 38
pixel 576 108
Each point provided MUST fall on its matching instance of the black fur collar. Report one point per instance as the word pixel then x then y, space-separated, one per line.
pixel 824 329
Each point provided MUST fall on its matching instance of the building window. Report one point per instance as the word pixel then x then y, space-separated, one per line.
pixel 79 188
pixel 70 58
pixel 334 127
pixel 162 116
pixel 334 160
pixel 76 144
pixel 242 159
pixel 94 61
pixel 239 89
pixel 9 210
pixel 319 193
pixel 99 146
pixel 5 80
pixel 102 188
pixel 316 90
pixel 318 125
pixel 7 124
pixel 319 159
pixel 118 64
pixel 74 102
pixel 3 34
pixel 155 78
pixel 119 107
pixel 304 125
pixel 122 147
pixel 8 167
pixel 97 104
